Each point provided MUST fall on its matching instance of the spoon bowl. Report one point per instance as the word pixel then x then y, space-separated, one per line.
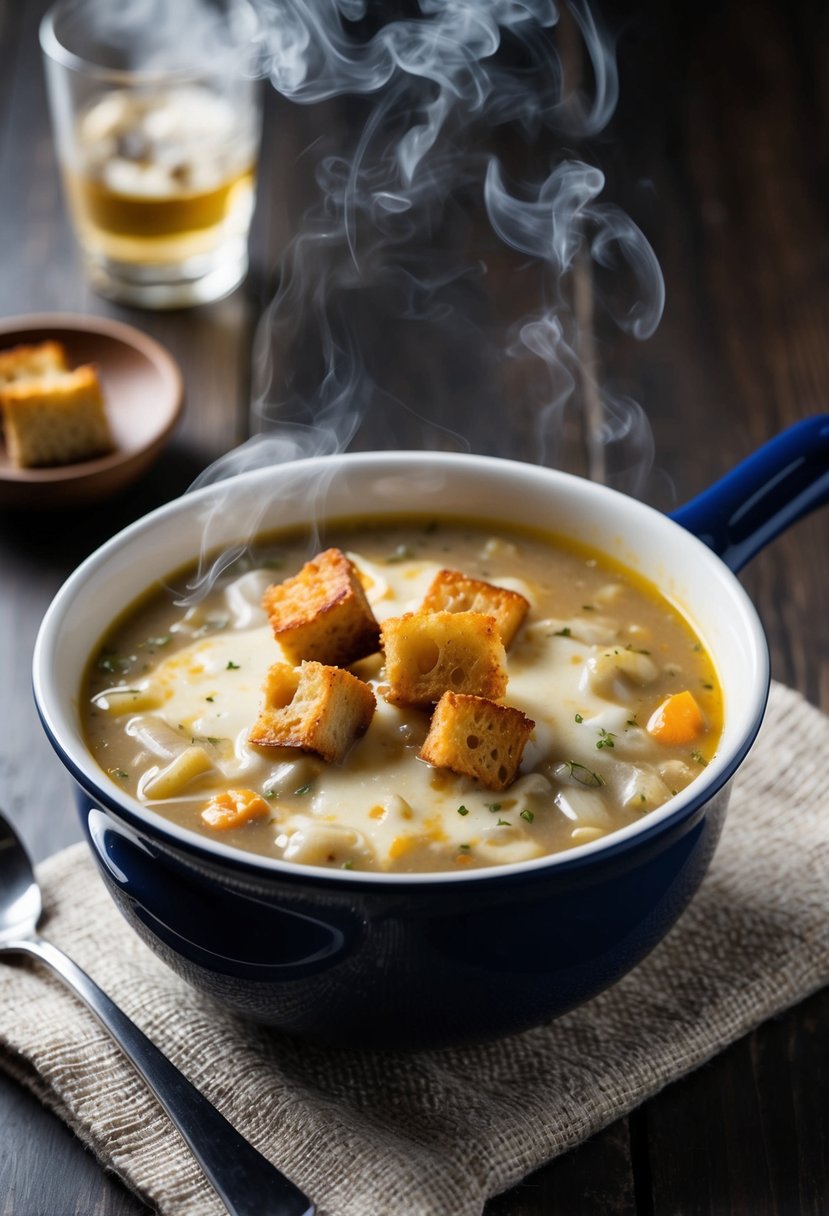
pixel 20 902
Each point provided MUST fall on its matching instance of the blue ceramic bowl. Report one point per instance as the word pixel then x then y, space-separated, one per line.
pixel 379 960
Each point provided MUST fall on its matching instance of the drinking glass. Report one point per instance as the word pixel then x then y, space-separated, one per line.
pixel 157 118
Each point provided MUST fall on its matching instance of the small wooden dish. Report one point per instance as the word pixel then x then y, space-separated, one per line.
pixel 144 394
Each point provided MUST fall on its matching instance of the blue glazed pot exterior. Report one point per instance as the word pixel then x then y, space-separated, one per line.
pixel 403 967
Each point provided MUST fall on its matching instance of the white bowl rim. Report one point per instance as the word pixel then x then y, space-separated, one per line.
pixel 678 808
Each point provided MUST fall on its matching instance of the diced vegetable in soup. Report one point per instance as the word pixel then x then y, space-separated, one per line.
pixel 414 696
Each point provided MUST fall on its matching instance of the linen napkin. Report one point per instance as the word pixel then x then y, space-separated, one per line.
pixel 438 1131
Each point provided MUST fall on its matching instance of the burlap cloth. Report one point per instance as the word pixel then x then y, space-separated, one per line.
pixel 438 1132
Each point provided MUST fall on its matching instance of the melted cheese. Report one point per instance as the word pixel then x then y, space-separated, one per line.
pixel 587 762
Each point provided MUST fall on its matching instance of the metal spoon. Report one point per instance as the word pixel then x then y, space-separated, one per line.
pixel 247 1183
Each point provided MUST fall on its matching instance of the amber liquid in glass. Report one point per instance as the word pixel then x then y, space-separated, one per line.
pixel 160 178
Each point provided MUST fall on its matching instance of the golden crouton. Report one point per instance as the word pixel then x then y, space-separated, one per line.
pixel 452 591
pixel 476 738
pixel 322 613
pixel 56 420
pixel 315 708
pixel 232 808
pixel 32 362
pixel 430 652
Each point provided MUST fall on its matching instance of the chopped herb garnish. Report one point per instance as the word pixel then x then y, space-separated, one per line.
pixel 114 663
pixel 303 789
pixel 707 684
pixel 528 815
pixel 210 698
pixel 120 773
pixel 606 739
pixel 462 810
pixel 579 718
pixel 697 755
pixel 231 666
pixel 503 823
pixel 348 865
pixel 697 646
pixel 494 807
pixel 464 848
pixel 588 607
pixel 632 721
pixel 211 625
pixel 562 633
pixel 636 649
pixel 584 776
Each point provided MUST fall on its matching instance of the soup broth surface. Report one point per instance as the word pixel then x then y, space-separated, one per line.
pixel 599 653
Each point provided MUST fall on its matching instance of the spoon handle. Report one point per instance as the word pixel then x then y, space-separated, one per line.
pixel 247 1183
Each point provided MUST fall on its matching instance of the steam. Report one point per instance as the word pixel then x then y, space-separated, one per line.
pixel 395 255
pixel 155 35
pixel 395 322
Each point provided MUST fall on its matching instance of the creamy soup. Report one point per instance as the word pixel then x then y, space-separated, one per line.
pixel 621 707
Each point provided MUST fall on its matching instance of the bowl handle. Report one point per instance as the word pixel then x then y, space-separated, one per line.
pixel 767 492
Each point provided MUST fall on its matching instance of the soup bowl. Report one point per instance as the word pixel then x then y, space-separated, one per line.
pixel 427 959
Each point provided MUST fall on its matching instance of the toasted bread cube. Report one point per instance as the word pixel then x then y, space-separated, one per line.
pixel 56 420
pixel 232 808
pixel 315 708
pixel 452 591
pixel 474 737
pixel 322 613
pixel 428 653
pixel 32 362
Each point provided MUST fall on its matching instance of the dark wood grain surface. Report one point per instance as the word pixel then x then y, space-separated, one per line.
pixel 719 150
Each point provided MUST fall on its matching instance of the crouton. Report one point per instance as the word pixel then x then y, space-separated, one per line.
pixel 56 420
pixel 428 653
pixel 232 808
pixel 322 613
pixel 33 362
pixel 452 591
pixel 474 737
pixel 315 708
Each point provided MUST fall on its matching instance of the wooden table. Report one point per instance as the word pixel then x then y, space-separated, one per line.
pixel 718 150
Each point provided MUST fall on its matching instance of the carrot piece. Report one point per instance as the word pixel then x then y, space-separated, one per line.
pixel 232 808
pixel 678 720
pixel 400 846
